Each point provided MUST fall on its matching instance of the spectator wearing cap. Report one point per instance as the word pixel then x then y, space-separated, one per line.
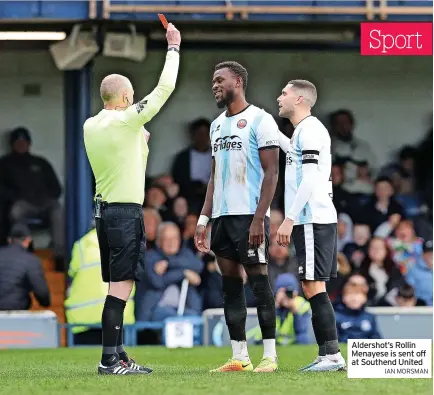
pixel 21 273
pixel 32 188
pixel 191 168
pixel 420 275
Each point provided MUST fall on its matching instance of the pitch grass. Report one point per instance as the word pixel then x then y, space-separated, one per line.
pixel 73 371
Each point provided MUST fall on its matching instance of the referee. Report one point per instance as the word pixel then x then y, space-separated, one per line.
pixel 116 145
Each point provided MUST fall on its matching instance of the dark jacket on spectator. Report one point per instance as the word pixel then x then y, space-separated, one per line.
pixel 151 289
pixel 20 274
pixel 28 177
pixel 374 218
pixel 355 324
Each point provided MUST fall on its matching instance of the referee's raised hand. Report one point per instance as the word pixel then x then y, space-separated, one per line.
pixel 173 36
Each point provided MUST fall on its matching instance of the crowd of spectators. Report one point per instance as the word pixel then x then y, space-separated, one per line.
pixel 384 232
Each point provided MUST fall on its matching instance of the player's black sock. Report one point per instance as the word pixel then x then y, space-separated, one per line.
pixel 265 305
pixel 324 323
pixel 120 343
pixel 111 321
pixel 235 307
pixel 319 340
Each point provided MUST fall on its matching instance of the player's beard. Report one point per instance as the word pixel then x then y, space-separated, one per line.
pixel 226 100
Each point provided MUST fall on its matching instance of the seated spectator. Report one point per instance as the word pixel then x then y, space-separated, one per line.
pixel 166 181
pixel 180 211
pixel 345 231
pixel 381 206
pixel 152 221
pixel 21 273
pixel 192 166
pixel 411 201
pixel 402 296
pixel 189 230
pixel 380 270
pixel 342 199
pixel 347 147
pixel 357 250
pixel 279 262
pixel 292 313
pixel 362 184
pixel 406 247
pixel 167 265
pixel 157 199
pixel 334 286
pixel 420 275
pixel 87 292
pixel 32 189
pixel 352 319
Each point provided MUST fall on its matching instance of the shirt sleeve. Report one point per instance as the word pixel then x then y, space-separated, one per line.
pixel 284 142
pixel 142 112
pixel 211 129
pixel 267 133
pixel 310 147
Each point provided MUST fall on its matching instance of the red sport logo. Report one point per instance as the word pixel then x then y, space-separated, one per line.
pixel 242 123
pixel 396 38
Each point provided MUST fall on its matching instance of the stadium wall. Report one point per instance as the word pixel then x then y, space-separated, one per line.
pixel 390 96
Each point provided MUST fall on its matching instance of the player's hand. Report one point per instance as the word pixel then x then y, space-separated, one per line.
pixel 201 239
pixel 284 233
pixel 173 35
pixel 256 232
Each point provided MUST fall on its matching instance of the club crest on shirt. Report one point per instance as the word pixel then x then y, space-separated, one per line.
pixel 241 124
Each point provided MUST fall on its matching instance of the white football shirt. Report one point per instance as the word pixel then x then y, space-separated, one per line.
pixel 308 185
pixel 236 141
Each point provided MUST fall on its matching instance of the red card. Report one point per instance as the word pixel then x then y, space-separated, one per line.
pixel 163 20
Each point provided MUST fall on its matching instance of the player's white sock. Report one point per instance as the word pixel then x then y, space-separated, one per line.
pixel 239 350
pixel 270 348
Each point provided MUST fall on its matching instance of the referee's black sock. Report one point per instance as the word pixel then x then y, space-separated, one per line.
pixel 111 323
pixel 265 304
pixel 120 343
pixel 235 307
pixel 324 324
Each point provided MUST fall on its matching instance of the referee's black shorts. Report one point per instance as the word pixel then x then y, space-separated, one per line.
pixel 121 238
pixel 316 251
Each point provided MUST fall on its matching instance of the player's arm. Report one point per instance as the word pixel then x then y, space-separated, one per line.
pixel 310 149
pixel 200 234
pixel 284 142
pixel 139 114
pixel 267 138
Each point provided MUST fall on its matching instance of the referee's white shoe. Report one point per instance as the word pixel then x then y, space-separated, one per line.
pixel 328 363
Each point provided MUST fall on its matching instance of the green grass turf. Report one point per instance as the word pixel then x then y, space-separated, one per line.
pixel 73 371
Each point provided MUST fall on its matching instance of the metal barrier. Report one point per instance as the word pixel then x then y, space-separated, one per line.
pixel 372 8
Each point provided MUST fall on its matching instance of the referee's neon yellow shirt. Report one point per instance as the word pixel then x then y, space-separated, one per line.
pixel 115 142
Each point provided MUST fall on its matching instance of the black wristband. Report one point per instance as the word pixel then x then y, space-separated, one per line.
pixel 173 49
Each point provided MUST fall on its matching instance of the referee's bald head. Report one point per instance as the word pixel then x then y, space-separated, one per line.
pixel 117 91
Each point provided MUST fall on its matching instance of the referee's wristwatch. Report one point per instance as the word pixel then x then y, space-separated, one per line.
pixel 173 49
